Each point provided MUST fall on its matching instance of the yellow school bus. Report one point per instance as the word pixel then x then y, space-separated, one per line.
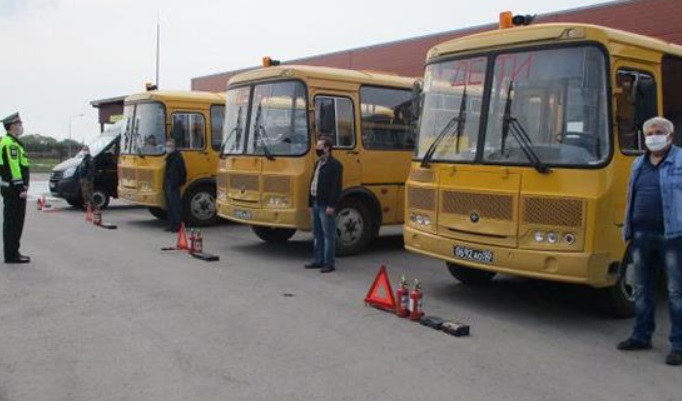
pixel 526 139
pixel 273 118
pixel 194 120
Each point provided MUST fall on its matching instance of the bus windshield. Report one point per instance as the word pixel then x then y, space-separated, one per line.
pixel 546 107
pixel 144 129
pixel 234 129
pixel 277 120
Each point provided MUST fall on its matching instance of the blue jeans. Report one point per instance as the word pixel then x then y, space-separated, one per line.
pixel 324 236
pixel 173 206
pixel 650 252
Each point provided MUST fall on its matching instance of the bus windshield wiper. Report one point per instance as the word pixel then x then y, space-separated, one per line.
pixel 459 119
pixel 261 134
pixel 236 130
pixel 511 124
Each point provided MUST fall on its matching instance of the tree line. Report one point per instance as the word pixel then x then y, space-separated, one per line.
pixel 38 146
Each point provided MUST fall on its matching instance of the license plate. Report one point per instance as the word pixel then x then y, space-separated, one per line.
pixel 242 214
pixel 476 255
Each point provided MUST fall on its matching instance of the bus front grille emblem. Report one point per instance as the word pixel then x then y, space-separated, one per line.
pixel 474 217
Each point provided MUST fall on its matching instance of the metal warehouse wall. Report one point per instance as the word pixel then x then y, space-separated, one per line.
pixel 657 18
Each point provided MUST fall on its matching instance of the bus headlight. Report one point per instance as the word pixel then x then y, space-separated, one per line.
pixel 569 238
pixel 144 186
pixel 420 219
pixel 552 237
pixel 539 236
pixel 278 201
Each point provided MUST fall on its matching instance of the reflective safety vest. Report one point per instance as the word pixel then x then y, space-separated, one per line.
pixel 13 163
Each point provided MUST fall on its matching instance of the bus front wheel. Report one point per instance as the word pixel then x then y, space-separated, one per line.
pixel 620 299
pixel 354 227
pixel 272 234
pixel 467 275
pixel 200 207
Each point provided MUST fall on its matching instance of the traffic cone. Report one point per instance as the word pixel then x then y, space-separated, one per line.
pixel 88 212
pixel 182 238
pixel 40 204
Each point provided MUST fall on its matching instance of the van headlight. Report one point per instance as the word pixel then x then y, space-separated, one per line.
pixel 69 172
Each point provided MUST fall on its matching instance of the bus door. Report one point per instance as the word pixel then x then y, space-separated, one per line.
pixel 189 130
pixel 635 100
pixel 334 117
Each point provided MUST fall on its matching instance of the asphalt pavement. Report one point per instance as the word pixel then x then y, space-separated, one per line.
pixel 107 315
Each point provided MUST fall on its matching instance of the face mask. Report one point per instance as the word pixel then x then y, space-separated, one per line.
pixel 656 143
pixel 20 131
pixel 319 152
pixel 170 149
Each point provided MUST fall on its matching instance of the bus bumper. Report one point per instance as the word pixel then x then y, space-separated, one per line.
pixel 151 198
pixel 281 218
pixel 570 267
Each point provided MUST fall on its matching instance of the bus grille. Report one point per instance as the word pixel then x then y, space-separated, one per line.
pixel 128 173
pixel 276 184
pixel 145 176
pixel 553 212
pixel 422 175
pixel 247 182
pixel 488 206
pixel 421 198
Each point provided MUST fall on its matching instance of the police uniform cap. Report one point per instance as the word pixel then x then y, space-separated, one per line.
pixel 12 119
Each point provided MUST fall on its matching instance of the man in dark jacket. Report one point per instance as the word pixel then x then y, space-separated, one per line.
pixel 86 175
pixel 325 190
pixel 175 177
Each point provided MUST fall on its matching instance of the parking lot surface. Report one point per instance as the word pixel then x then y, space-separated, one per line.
pixel 106 315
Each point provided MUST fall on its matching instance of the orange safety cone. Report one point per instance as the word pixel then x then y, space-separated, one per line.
pixel 88 212
pixel 182 238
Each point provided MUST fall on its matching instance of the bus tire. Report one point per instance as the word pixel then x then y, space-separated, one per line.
pixel 100 198
pixel 200 206
pixel 273 234
pixel 354 227
pixel 619 300
pixel 467 275
pixel 158 213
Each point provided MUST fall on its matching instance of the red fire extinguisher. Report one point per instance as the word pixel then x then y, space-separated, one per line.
pixel 416 301
pixel 97 217
pixel 192 240
pixel 198 242
pixel 402 308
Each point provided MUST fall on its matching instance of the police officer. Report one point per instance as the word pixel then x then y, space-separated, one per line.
pixel 14 187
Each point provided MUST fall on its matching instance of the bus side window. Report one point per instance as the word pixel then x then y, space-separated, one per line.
pixel 636 102
pixel 387 118
pixel 334 118
pixel 188 130
pixel 672 93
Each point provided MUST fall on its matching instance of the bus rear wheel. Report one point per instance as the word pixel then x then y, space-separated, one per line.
pixel 619 300
pixel 354 227
pixel 200 207
pixel 272 234
pixel 158 213
pixel 467 275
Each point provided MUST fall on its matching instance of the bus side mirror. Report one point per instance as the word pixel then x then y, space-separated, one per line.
pixel 645 101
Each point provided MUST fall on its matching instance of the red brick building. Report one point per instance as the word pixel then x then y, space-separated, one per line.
pixel 656 18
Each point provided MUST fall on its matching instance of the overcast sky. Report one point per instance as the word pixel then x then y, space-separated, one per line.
pixel 58 55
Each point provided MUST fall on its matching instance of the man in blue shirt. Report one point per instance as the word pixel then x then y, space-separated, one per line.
pixel 653 225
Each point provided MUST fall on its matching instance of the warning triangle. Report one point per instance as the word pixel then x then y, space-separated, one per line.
pixel 380 294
